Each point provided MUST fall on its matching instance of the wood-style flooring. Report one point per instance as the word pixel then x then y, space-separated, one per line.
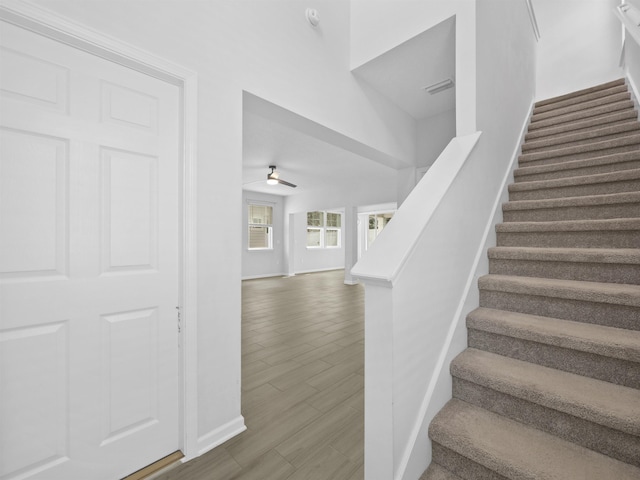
pixel 302 385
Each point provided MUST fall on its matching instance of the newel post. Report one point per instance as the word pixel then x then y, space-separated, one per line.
pixel 378 384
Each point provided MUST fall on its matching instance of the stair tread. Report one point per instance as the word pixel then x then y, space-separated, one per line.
pixel 596 178
pixel 576 99
pixel 609 293
pixel 575 164
pixel 515 450
pixel 581 106
pixel 591 113
pixel 437 472
pixel 587 337
pixel 583 91
pixel 583 397
pixel 623 140
pixel 590 255
pixel 582 125
pixel 591 134
pixel 583 201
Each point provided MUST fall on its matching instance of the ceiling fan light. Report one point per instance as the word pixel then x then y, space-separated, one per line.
pixel 272 176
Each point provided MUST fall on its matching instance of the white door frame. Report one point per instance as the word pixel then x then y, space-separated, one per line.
pixel 50 24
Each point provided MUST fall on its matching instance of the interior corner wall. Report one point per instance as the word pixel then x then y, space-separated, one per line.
pixel 506 60
pixel 580 45
pixel 434 134
pixel 263 263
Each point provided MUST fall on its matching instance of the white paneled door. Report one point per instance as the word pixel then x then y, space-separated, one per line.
pixel 89 221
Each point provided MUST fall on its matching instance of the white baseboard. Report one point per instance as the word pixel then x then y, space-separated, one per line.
pixel 317 270
pixel 266 275
pixel 220 435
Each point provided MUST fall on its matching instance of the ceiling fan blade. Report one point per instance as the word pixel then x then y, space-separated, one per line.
pixel 283 182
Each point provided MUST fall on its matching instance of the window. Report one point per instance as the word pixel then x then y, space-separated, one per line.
pixel 324 229
pixel 332 230
pixel 260 227
pixel 377 222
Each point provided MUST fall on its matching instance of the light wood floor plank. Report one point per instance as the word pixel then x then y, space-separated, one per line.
pixel 301 446
pixel 302 385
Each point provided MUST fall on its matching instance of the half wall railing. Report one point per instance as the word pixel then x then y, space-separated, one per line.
pixel 415 275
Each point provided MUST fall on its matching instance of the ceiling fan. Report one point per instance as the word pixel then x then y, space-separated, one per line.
pixel 273 178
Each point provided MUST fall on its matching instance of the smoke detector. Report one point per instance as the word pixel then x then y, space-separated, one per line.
pixel 312 17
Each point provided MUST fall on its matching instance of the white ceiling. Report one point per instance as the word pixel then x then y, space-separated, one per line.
pixel 313 164
pixel 401 73
pixel 304 160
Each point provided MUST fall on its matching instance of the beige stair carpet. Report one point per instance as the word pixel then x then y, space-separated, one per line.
pixel 549 387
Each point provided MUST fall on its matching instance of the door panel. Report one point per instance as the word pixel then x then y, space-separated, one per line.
pixel 41 227
pixel 129 211
pixel 88 263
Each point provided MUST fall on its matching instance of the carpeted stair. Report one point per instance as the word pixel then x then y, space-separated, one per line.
pixel 549 387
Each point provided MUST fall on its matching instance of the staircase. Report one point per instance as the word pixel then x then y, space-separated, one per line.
pixel 549 387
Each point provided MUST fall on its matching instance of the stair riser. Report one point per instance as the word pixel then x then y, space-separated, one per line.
pixel 616 444
pixel 600 367
pixel 581 93
pixel 547 146
pixel 462 466
pixel 588 239
pixel 625 186
pixel 582 106
pixel 591 212
pixel 581 115
pixel 580 99
pixel 622 145
pixel 577 172
pixel 619 316
pixel 586 125
pixel 586 272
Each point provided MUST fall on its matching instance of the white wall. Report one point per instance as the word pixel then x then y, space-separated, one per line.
pixel 433 134
pixel 269 49
pixel 263 263
pixel 580 44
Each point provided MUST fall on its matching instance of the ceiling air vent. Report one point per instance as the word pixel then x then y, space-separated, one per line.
pixel 439 87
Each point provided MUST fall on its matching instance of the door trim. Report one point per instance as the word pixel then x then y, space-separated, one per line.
pixel 52 25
